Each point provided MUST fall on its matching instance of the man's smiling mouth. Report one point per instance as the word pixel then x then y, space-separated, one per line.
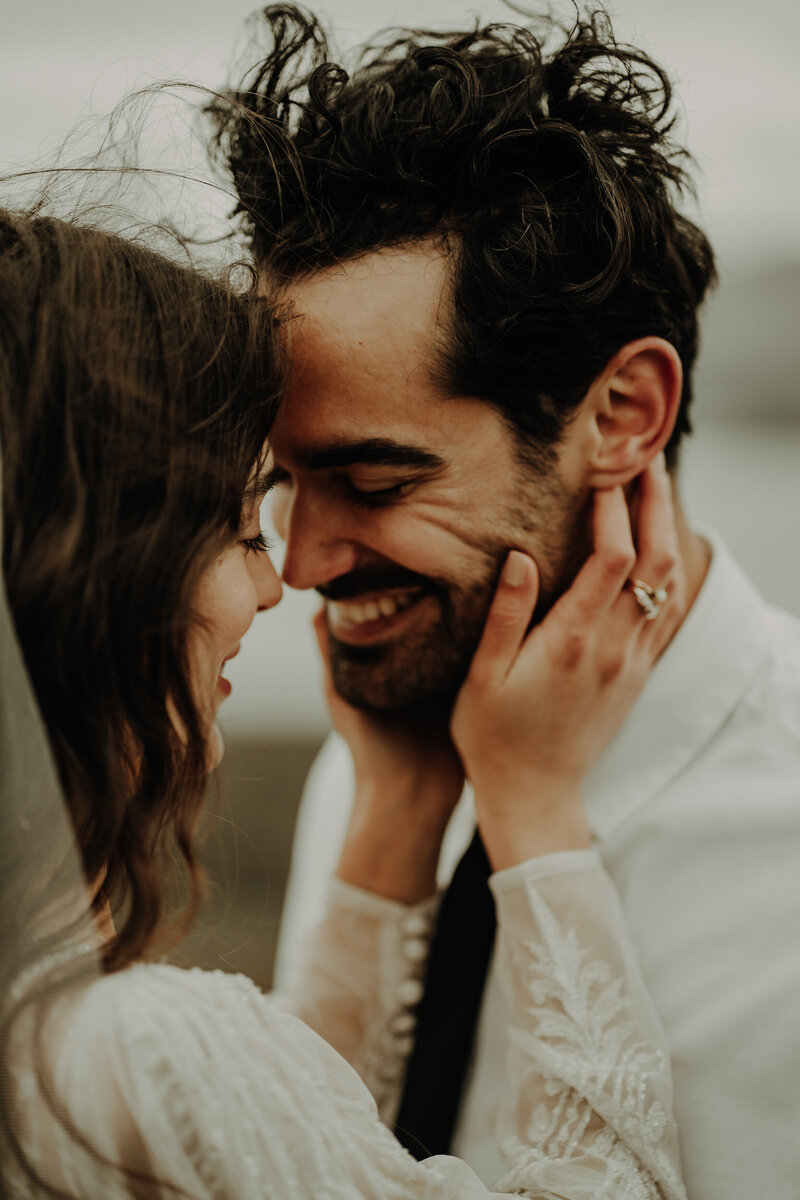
pixel 373 616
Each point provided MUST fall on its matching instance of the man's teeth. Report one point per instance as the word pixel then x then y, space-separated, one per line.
pixel 354 613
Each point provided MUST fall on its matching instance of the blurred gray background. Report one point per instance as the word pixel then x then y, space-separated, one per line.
pixel 62 64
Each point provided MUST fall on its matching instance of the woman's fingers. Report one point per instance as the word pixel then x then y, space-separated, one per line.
pixel 600 607
pixel 601 604
pixel 599 582
pixel 605 581
pixel 508 619
pixel 656 535
pixel 657 563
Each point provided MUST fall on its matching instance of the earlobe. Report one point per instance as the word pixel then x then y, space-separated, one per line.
pixel 633 405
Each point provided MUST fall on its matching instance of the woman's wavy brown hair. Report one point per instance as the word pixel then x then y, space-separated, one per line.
pixel 136 396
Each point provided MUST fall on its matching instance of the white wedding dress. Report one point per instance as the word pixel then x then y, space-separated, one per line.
pixel 198 1080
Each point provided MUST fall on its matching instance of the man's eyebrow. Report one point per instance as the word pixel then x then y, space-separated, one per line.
pixel 382 452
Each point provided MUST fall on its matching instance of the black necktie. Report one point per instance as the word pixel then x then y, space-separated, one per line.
pixel 448 1012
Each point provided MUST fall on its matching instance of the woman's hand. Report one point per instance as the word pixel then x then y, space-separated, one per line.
pixel 408 780
pixel 539 707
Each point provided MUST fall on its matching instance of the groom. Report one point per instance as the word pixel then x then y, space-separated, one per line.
pixel 497 306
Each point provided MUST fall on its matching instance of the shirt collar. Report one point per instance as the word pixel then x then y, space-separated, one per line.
pixel 691 691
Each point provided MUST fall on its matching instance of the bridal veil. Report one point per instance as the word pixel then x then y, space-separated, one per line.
pixel 48 943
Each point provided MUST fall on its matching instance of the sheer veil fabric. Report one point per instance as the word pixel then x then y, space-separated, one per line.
pixel 47 934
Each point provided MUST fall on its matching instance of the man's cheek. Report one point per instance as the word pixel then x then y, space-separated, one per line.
pixel 439 541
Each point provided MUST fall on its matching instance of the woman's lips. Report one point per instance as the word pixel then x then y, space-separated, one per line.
pixel 224 685
pixel 373 617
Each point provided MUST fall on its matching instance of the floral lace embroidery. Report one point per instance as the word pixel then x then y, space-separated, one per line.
pixel 584 1052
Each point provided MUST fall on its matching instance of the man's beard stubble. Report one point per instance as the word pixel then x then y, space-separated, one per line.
pixel 427 666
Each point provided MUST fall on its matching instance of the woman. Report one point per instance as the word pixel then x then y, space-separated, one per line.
pixel 136 398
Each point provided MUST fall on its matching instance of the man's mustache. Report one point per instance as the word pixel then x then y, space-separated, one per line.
pixel 363 580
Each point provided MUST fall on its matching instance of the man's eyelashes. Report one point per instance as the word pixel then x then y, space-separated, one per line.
pixel 375 497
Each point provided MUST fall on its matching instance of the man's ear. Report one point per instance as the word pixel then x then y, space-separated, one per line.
pixel 632 407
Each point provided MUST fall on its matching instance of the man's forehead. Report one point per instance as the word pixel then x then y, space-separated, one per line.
pixel 366 367
pixel 396 293
pixel 360 370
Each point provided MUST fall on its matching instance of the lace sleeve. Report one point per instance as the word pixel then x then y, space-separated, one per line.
pixel 592 1095
pixel 360 980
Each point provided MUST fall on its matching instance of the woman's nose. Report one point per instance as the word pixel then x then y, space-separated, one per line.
pixel 268 585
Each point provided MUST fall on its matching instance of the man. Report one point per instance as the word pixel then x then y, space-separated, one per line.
pixel 497 313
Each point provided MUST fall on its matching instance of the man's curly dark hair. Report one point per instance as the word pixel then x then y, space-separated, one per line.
pixel 548 172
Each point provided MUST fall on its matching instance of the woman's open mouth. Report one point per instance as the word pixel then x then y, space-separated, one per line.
pixel 224 685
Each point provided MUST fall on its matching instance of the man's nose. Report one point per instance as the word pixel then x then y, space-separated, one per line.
pixel 316 550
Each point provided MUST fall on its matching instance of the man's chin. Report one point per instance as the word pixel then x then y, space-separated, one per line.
pixel 405 704
pixel 363 678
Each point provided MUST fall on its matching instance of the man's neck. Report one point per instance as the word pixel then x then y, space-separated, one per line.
pixel 694 551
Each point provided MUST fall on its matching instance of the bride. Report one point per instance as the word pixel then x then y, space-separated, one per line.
pixel 136 399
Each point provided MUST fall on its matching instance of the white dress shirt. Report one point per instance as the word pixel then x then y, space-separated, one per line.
pixel 696 811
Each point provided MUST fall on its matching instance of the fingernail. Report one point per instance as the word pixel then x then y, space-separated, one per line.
pixel 515 570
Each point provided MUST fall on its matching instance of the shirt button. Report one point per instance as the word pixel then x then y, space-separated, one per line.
pixel 415 950
pixel 404 1022
pixel 416 925
pixel 410 991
